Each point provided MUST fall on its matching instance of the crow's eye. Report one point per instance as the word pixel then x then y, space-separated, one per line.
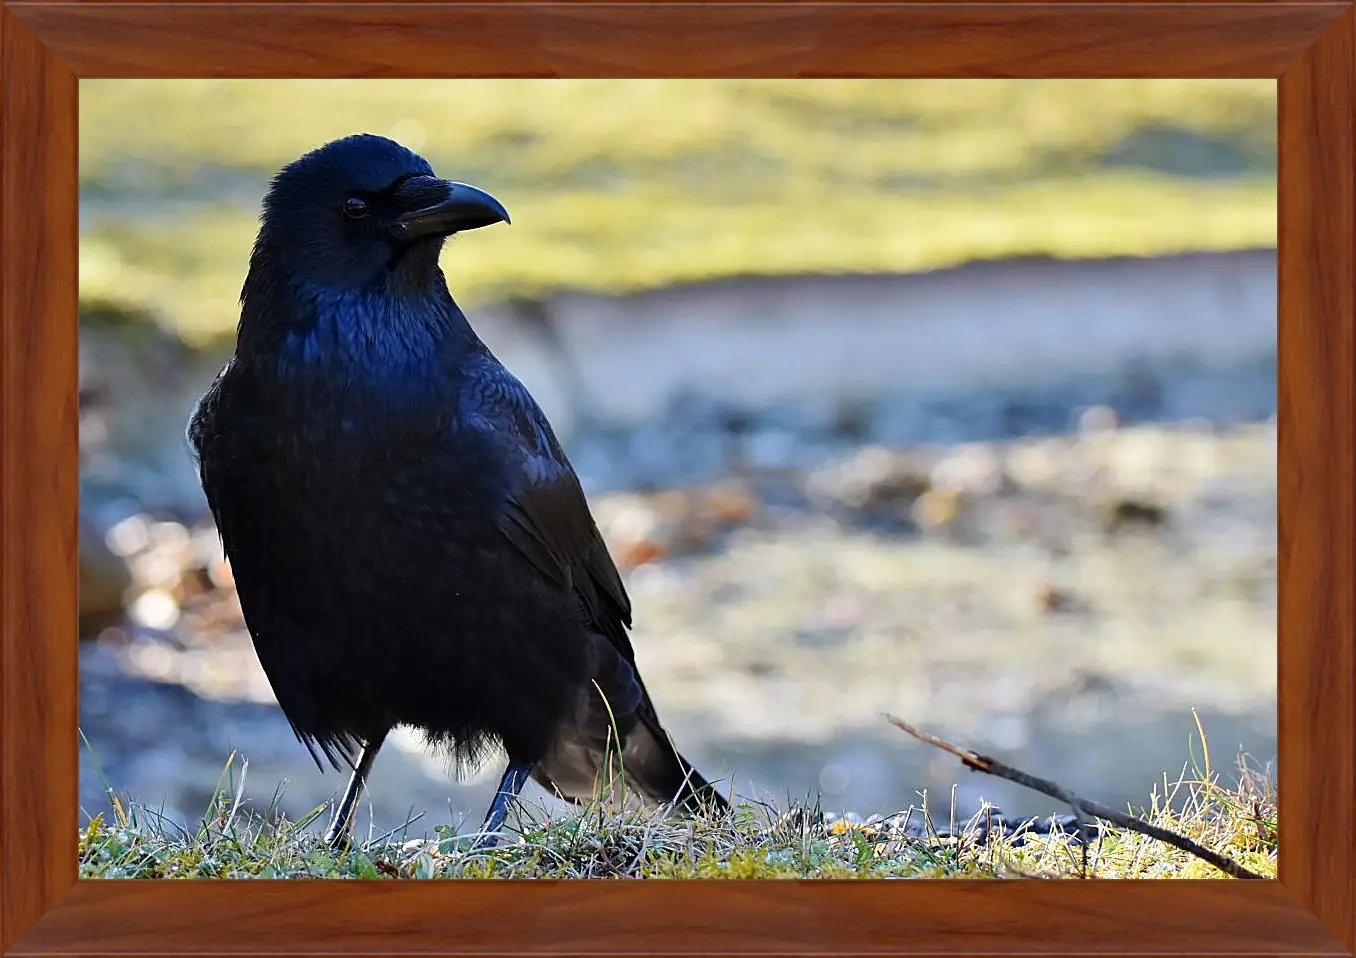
pixel 355 208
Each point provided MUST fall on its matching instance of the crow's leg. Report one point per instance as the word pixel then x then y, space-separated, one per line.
pixel 340 827
pixel 515 777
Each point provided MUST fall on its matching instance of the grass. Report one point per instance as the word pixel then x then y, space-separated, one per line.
pixel 624 185
pixel 753 841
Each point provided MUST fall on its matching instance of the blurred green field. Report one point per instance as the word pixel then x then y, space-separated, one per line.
pixel 619 185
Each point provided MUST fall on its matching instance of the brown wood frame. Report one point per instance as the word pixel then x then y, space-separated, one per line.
pixel 47 45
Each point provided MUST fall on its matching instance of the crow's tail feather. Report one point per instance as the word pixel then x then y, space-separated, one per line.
pixel 657 770
pixel 649 765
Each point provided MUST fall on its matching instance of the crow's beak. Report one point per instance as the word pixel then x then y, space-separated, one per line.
pixel 441 208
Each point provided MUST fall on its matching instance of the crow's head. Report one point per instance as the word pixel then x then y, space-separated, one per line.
pixel 362 208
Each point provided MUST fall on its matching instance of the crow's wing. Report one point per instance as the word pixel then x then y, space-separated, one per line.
pixel 547 519
pixel 546 516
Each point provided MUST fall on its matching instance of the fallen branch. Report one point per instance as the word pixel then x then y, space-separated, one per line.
pixel 1081 806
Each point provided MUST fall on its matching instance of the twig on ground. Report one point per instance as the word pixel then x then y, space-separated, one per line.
pixel 991 766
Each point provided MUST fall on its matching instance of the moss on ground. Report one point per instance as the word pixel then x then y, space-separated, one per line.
pixel 624 185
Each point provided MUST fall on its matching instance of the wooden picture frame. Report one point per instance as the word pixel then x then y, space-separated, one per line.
pixel 48 46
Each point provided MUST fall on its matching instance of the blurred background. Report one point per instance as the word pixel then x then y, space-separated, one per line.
pixel 954 399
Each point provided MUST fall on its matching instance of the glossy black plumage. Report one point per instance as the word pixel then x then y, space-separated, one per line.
pixel 409 542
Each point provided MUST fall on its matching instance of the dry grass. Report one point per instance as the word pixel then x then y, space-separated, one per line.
pixel 754 841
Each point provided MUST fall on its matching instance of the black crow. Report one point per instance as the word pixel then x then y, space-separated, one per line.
pixel 409 542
